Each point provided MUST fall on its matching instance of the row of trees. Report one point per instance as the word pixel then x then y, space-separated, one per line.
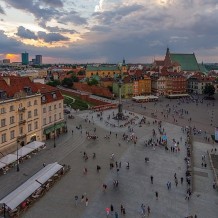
pixel 68 82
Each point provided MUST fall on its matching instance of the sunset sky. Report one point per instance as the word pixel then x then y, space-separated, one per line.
pixel 82 31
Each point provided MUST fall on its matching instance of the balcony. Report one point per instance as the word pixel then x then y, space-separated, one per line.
pixel 21 109
pixel 21 122
pixel 21 136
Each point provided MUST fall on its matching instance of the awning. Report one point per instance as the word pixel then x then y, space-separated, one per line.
pixel 2 165
pixel 22 152
pixel 8 159
pixel 54 127
pixel 35 145
pixel 20 194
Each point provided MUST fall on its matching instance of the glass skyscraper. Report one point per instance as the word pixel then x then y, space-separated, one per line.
pixel 25 58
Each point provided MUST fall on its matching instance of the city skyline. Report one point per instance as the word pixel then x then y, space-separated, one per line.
pixel 66 31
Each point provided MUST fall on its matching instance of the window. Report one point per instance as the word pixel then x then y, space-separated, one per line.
pixel 29 103
pixel 21 130
pixel 29 114
pixel 54 95
pixel 55 106
pixel 12 108
pixel 20 117
pixel 3 110
pixel 3 122
pixel 59 115
pixel 44 121
pixel 36 125
pixel 12 134
pixel 35 112
pixel 44 109
pixel 20 105
pixel 43 98
pixel 3 137
pixel 55 117
pixel 50 119
pixel 59 105
pixel 12 120
pixel 29 127
pixel 50 108
pixel 35 102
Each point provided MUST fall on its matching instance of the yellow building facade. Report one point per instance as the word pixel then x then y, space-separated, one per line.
pixel 20 121
pixel 102 71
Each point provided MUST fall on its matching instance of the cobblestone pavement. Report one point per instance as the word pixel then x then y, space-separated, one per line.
pixel 134 187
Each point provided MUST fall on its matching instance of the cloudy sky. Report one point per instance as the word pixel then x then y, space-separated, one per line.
pixel 81 31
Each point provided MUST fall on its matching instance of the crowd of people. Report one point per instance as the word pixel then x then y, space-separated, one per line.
pixel 158 140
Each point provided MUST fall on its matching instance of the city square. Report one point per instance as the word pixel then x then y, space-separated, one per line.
pixel 135 186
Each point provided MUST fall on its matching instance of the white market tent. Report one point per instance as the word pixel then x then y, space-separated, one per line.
pixel 8 159
pixel 2 165
pixel 142 98
pixel 20 194
pixel 22 152
pixel 35 145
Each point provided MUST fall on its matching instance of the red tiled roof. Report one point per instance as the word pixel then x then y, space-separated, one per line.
pixel 16 84
pixel 48 91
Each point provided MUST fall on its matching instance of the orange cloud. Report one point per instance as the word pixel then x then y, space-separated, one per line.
pixel 13 57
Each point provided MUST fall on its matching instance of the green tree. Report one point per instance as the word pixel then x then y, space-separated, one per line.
pixel 81 72
pixel 67 82
pixel 74 78
pixel 209 90
pixel 92 82
pixel 54 83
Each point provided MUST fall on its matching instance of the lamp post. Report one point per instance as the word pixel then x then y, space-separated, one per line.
pixel 18 167
pixel 54 135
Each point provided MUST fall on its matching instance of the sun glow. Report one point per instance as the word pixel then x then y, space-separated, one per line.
pixel 12 57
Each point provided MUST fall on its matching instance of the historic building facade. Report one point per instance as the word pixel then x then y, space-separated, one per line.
pixel 21 111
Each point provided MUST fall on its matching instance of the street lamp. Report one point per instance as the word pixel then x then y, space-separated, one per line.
pixel 54 135
pixel 18 168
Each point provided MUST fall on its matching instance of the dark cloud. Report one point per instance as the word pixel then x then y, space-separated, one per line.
pixel 99 28
pixel 46 37
pixel 120 30
pixel 2 10
pixel 43 15
pixel 109 17
pixel 51 37
pixel 26 33
pixel 57 29
pixel 9 45
pixel 54 3
pixel 72 17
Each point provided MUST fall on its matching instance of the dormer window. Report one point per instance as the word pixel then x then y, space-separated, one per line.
pixel 27 89
pixel 3 94
pixel 43 98
pixel 54 95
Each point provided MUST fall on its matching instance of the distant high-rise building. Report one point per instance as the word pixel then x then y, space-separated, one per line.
pixel 25 58
pixel 33 61
pixel 6 61
pixel 38 59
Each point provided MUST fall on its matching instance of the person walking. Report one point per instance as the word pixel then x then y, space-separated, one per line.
pixel 156 194
pixel 76 199
pixel 85 171
pixel 116 215
pixel 149 210
pixel 152 178
pixel 87 201
pixel 112 209
pixel 121 209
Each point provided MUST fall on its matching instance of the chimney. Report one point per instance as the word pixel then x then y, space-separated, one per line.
pixel 7 80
